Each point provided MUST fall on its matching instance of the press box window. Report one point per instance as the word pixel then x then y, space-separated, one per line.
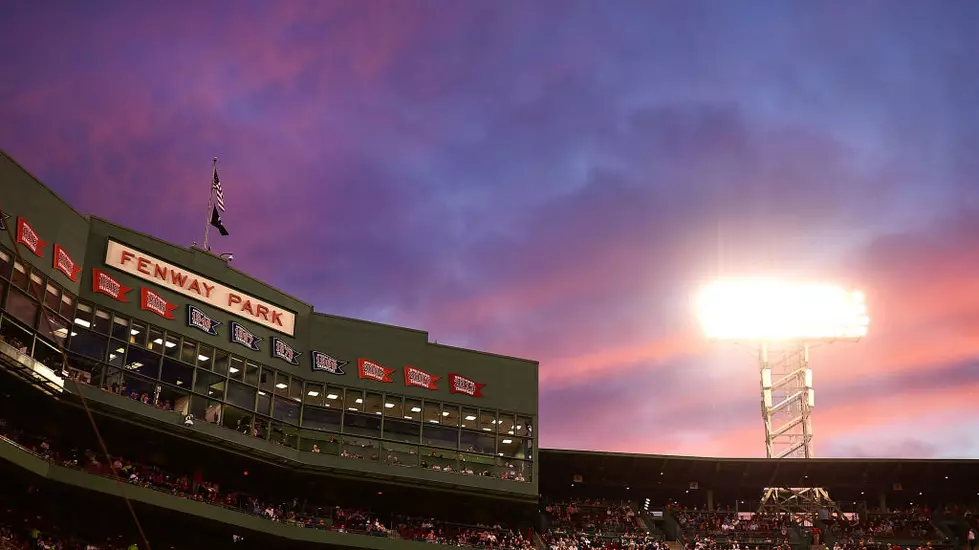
pixel 120 328
pixel 67 304
pixel 51 295
pixel 36 289
pixel 84 315
pixel 101 321
pixel 19 276
pixel 4 263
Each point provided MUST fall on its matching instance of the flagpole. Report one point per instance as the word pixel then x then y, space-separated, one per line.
pixel 210 205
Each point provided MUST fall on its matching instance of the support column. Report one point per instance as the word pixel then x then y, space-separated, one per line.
pixel 710 500
pixel 882 501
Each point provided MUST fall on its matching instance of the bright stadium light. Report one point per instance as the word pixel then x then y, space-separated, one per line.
pixel 766 310
pixel 782 321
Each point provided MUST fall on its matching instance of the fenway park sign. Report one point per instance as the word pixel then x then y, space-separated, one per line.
pixel 188 283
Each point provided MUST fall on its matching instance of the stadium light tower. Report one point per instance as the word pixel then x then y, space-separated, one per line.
pixel 783 321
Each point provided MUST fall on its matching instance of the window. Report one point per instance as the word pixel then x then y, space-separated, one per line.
pixel 362 424
pixel 286 410
pixel 505 424
pixel 137 334
pixel 373 404
pixel 477 442
pixel 237 368
pixel 51 296
pixel 432 412
pixel 87 343
pixel 53 328
pixel 220 364
pixel 206 410
pixel 120 328
pixel 401 431
pixel 188 351
pixel 524 427
pixel 334 397
pixel 16 335
pixel 84 315
pixel 487 420
pixel 514 447
pixel 281 384
pixel 19 276
pixel 393 406
pixel 264 402
pixel 117 353
pixel 413 409
pixel 469 418
pixel 176 373
pixel 173 399
pixel 450 415
pixel 314 394
pixel 240 395
pixel 22 307
pixel 101 322
pixel 353 400
pixel 435 435
pixel 327 420
pixel 296 389
pixel 67 304
pixel 48 355
pixel 267 380
pixel 143 362
pixel 36 288
pixel 251 373
pixel 205 354
pixel 154 339
pixel 211 385
pixel 5 263
pixel 171 346
pixel 237 419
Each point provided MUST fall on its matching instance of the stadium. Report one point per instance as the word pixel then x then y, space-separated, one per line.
pixel 155 397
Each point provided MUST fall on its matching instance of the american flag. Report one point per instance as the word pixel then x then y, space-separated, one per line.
pixel 218 192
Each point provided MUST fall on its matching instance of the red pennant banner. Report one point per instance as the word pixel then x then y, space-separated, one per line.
pixel 420 379
pixel 372 371
pixel 29 238
pixel 463 385
pixel 64 263
pixel 151 301
pixel 103 283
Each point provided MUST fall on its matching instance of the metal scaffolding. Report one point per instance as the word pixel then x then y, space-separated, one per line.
pixel 787 400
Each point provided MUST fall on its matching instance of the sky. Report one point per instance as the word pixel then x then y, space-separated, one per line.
pixel 555 180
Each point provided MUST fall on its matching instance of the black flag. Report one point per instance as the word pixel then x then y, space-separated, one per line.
pixel 216 222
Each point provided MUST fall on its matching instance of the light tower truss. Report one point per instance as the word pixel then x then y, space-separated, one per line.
pixel 787 400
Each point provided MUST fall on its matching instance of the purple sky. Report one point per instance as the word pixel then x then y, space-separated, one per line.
pixel 553 180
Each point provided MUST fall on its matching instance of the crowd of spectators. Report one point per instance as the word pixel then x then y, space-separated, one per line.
pixel 728 522
pixel 294 512
pixel 914 523
pixel 596 524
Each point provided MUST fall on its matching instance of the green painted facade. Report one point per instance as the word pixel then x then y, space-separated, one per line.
pixel 494 433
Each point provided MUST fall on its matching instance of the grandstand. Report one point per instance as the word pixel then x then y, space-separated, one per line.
pixel 138 412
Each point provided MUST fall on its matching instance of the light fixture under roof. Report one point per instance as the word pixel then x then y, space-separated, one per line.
pixel 507 441
pixel 83 322
pixel 416 409
pixel 358 400
pixel 202 358
pixel 233 370
pixel 313 393
pixel 281 386
pixel 332 396
pixel 471 417
pixel 389 405
pixel 445 413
